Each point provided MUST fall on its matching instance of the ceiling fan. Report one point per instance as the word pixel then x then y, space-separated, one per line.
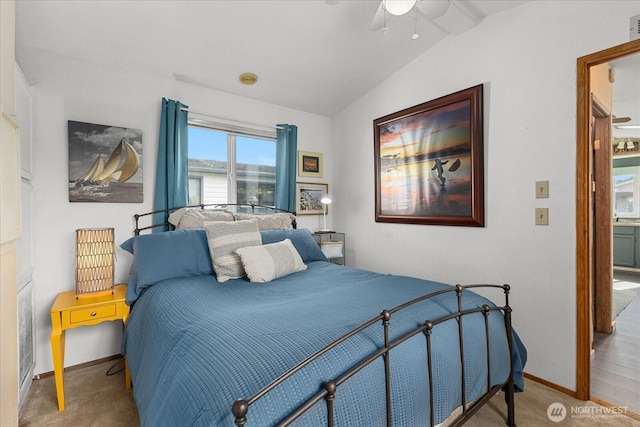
pixel 615 119
pixel 450 15
pixel 432 9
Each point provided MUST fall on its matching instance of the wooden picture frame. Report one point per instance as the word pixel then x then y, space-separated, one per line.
pixel 308 196
pixel 309 164
pixel 429 164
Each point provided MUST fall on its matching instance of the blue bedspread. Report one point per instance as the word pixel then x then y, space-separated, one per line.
pixel 194 345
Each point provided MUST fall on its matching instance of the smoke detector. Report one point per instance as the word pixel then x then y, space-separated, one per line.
pixel 248 78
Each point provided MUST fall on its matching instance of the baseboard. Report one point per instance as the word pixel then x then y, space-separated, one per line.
pixel 83 365
pixel 551 385
pixel 626 269
pixel 573 394
pixel 606 404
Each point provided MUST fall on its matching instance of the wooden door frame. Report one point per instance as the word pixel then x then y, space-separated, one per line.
pixel 584 219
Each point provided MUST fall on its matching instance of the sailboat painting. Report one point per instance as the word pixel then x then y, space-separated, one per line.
pixel 105 163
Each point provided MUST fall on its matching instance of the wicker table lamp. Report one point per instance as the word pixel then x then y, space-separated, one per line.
pixel 95 261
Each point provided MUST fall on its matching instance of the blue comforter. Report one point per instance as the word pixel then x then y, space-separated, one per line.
pixel 194 345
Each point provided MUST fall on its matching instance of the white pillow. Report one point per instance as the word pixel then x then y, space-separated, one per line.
pixel 276 221
pixel 271 261
pixel 224 239
pixel 196 217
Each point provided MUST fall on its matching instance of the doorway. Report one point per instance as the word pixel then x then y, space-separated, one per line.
pixel 586 241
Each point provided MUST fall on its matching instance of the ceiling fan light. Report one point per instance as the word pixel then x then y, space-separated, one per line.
pixel 399 7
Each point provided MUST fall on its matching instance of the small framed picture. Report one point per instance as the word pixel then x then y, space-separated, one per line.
pixel 309 164
pixel 308 196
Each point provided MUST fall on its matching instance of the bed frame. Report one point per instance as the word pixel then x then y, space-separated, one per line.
pixel 241 407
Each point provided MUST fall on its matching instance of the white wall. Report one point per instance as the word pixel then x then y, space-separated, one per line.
pixel 526 59
pixel 66 89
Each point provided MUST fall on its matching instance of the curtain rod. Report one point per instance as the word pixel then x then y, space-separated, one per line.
pixel 244 122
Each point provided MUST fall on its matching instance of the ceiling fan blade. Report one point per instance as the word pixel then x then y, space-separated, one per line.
pixel 615 119
pixel 378 19
pixel 456 19
pixel 433 9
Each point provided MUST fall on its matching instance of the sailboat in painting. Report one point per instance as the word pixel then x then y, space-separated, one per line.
pixel 122 164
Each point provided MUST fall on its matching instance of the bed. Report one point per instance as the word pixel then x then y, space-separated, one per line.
pixel 312 344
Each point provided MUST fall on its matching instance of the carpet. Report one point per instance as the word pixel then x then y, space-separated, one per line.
pixel 94 399
pixel 622 298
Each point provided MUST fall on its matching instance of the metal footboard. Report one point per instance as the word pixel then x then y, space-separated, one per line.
pixel 241 407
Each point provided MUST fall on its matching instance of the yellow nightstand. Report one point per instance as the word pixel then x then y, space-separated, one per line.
pixel 70 312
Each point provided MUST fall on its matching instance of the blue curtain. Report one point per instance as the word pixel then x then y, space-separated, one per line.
pixel 286 152
pixel 172 176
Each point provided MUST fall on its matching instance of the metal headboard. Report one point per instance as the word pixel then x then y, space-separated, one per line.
pixel 236 207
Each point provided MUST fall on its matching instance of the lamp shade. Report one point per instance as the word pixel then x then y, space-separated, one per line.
pixel 95 260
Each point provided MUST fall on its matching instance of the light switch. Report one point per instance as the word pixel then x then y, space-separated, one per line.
pixel 542 189
pixel 542 216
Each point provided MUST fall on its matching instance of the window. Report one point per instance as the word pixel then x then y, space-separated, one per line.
pixel 626 191
pixel 195 190
pixel 228 167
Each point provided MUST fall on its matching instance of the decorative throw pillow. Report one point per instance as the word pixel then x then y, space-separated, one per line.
pixel 224 239
pixel 161 256
pixel 277 221
pixel 196 217
pixel 267 262
pixel 301 238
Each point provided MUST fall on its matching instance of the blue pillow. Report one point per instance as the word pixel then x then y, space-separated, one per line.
pixel 167 255
pixel 301 238
pixel 128 245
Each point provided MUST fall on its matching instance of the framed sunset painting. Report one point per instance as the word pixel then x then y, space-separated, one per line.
pixel 429 162
pixel 309 164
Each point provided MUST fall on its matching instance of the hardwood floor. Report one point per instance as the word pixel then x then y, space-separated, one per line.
pixel 615 370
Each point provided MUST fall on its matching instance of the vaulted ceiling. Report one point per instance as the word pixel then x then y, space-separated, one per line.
pixel 311 55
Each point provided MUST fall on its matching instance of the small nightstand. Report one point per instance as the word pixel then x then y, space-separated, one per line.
pixel 69 312
pixel 333 245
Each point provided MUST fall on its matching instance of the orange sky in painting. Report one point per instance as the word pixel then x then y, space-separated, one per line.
pixel 443 128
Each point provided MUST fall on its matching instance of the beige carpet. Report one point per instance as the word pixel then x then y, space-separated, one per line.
pixel 94 399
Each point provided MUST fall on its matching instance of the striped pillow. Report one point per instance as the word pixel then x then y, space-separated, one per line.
pixel 224 239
